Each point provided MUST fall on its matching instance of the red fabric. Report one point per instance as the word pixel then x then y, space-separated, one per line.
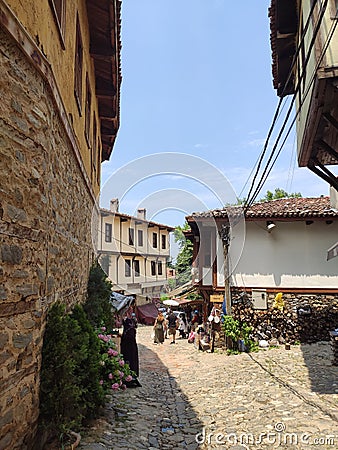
pixel 147 313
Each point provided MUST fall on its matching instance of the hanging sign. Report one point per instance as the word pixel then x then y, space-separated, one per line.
pixel 216 298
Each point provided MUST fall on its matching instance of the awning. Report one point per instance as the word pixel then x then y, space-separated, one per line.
pixel 120 302
pixel 188 301
pixel 332 251
pixel 147 313
pixel 181 290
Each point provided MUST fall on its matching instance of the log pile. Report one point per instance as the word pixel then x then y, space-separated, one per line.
pixel 271 325
pixel 334 346
pixel 290 325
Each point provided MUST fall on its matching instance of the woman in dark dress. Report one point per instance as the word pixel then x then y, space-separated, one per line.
pixel 159 329
pixel 129 348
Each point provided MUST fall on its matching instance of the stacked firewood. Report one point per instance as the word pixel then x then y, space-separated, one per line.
pixel 334 346
pixel 289 325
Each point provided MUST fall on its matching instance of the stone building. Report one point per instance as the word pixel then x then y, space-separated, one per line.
pixel 59 116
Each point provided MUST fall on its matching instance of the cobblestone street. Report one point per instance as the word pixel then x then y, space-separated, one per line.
pixel 192 399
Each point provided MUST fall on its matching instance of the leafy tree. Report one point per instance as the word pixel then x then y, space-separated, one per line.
pixel 184 257
pixel 280 193
pixel 97 306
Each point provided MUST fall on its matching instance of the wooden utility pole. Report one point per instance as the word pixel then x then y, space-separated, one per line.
pixel 224 233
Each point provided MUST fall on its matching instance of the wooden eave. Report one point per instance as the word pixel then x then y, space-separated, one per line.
pixel 319 147
pixel 283 32
pixel 104 17
pixel 137 220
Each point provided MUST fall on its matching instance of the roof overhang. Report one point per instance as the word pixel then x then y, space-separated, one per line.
pixel 104 17
pixel 283 31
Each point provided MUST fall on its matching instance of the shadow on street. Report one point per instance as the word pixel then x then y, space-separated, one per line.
pixel 323 375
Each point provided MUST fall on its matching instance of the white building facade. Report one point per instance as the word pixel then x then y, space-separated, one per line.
pixel 134 253
pixel 290 254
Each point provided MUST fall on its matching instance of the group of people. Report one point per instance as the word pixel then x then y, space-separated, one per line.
pixel 171 323
pixel 164 326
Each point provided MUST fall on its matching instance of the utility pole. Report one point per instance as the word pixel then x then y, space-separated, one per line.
pixel 224 234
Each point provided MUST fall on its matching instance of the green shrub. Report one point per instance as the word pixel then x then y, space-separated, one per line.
pixel 97 305
pixel 60 394
pixel 70 391
pixel 237 330
pixel 87 356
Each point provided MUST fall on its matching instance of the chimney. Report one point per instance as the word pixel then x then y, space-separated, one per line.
pixel 114 205
pixel 333 198
pixel 141 213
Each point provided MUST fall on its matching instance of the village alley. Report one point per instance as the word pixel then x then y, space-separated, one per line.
pixel 190 399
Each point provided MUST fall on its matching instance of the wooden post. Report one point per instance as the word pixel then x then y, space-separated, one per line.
pixel 224 233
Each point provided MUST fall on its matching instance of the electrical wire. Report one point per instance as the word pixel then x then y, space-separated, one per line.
pixel 251 199
pixel 291 166
pixel 279 109
pixel 267 172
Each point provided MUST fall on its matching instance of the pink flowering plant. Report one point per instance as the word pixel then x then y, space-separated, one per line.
pixel 115 372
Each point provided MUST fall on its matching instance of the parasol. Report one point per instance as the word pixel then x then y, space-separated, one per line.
pixel 170 302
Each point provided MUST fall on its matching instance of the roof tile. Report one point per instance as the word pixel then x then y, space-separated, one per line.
pixel 318 207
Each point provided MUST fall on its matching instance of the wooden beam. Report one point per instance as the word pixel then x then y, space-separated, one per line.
pixel 105 93
pixel 102 53
pixel 326 147
pixel 331 120
pixel 110 118
pixel 323 173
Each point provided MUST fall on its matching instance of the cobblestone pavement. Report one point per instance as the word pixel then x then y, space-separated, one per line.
pixel 190 399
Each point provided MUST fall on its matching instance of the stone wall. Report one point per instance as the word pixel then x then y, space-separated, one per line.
pixel 45 235
pixel 305 318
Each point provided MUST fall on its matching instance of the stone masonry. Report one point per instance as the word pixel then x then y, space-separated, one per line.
pixel 306 318
pixel 45 235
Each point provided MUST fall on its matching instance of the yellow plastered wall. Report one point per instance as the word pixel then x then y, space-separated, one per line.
pixel 38 19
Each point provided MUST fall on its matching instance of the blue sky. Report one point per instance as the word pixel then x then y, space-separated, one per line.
pixel 196 81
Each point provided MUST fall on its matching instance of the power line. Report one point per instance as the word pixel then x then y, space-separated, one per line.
pixel 262 181
pixel 263 177
pixel 277 112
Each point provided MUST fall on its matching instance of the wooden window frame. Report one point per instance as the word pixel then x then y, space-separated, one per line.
pixel 153 268
pixel 159 268
pixel 58 8
pixel 137 268
pixel 131 236
pixel 88 107
pixel 164 241
pixel 140 238
pixel 108 232
pixel 78 66
pixel 155 240
pixel 94 147
pixel 127 268
pixel 98 169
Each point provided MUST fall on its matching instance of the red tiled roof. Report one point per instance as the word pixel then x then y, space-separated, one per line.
pixel 293 207
pixel 299 208
pixel 106 212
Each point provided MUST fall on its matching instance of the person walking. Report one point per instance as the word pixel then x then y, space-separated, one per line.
pixel 183 326
pixel 172 326
pixel 159 329
pixel 129 348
